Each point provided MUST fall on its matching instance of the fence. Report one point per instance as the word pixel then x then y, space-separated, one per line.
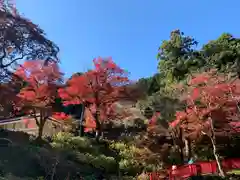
pixel 28 125
pixel 199 168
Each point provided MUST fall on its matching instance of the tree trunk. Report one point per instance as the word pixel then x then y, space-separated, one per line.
pixel 40 131
pixel 187 149
pixel 81 127
pixel 99 132
pixel 213 140
pixel 221 172
pixel 97 135
pixel 181 145
pixel 40 124
pixel 181 152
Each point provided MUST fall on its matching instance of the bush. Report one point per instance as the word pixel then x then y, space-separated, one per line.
pixel 68 141
pixel 126 158
pixel 84 150
pixel 133 160
pixel 143 176
pixel 71 157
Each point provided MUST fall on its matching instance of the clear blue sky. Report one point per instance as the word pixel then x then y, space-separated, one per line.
pixel 128 30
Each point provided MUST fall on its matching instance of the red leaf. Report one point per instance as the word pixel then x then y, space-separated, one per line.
pixel 99 88
pixel 217 100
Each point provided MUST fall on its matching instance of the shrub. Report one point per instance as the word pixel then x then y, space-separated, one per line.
pixel 126 158
pixel 83 150
pixel 132 159
pixel 143 176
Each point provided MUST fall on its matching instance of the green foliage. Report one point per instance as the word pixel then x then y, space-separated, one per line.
pixel 150 85
pixel 132 159
pixel 40 161
pixel 84 150
pixel 163 101
pixel 143 176
pixel 223 54
pixel 76 156
pixel 62 137
pixel 177 57
pixel 126 153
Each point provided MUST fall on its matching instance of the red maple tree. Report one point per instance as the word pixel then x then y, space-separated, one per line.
pixel 90 124
pixel 40 91
pixel 98 90
pixel 60 116
pixel 212 107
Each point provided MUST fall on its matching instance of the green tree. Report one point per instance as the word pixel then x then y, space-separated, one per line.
pixel 223 54
pixel 150 85
pixel 177 57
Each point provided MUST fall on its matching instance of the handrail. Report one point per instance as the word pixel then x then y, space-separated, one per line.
pixel 12 120
pixel 22 118
pixel 203 167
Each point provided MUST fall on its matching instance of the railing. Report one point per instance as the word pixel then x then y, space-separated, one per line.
pixel 20 124
pixel 13 120
pixel 199 168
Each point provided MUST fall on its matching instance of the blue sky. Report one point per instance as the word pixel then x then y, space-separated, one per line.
pixel 128 30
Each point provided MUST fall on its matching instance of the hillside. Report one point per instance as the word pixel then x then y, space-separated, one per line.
pixel 65 157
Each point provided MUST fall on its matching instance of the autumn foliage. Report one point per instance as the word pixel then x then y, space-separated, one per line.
pixel 90 124
pixel 209 95
pixel 41 83
pixel 212 109
pixel 40 91
pixel 61 116
pixel 98 89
